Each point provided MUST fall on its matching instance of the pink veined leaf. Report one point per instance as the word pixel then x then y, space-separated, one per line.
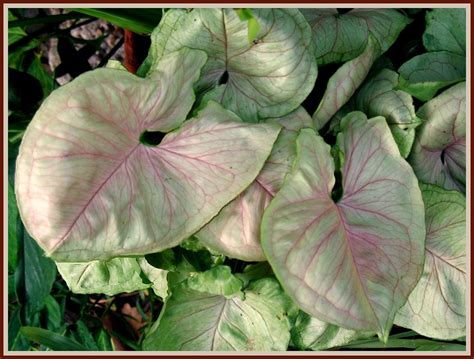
pixel 267 77
pixel 89 189
pixel 352 263
pixel 437 306
pixel 235 231
pixel 439 151
pixel 343 84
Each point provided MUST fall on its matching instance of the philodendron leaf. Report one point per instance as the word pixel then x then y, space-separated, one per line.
pixel 117 275
pixel 235 231
pixel 446 30
pixel 354 262
pixel 423 75
pixel 314 334
pixel 192 319
pixel 344 83
pixel 89 189
pixel 268 77
pixel 439 151
pixel 378 97
pixel 437 306
pixel 342 37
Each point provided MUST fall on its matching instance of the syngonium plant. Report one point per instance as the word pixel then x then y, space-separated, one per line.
pixel 152 180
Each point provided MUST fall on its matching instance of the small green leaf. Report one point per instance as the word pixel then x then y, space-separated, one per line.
pixel 104 341
pixel 85 337
pixel 218 280
pixel 50 339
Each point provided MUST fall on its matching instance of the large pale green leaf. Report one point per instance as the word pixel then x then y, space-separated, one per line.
pixel 112 276
pixel 314 334
pixel 342 85
pixel 235 231
pixel 439 151
pixel 193 319
pixel 268 77
pixel 88 189
pixel 342 37
pixel 352 263
pixel 423 75
pixel 446 30
pixel 437 306
pixel 379 97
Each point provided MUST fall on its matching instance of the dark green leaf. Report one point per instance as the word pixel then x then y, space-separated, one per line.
pixel 15 340
pixel 136 20
pixel 46 19
pixel 34 275
pixel 103 341
pixel 85 337
pixel 50 339
pixel 54 314
pixel 24 90
pixel 12 229
pixel 46 80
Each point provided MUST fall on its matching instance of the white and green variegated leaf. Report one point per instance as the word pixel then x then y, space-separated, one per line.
pixel 439 151
pixel 353 262
pixel 342 37
pixel 437 306
pixel 343 84
pixel 424 75
pixel 89 189
pixel 195 320
pixel 311 333
pixel 267 77
pixel 446 30
pixel 117 275
pixel 379 97
pixel 235 231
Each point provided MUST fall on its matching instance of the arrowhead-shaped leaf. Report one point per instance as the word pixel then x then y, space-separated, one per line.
pixel 235 231
pixel 354 262
pixel 89 189
pixel 423 75
pixel 268 77
pixel 379 97
pixel 439 151
pixel 342 37
pixel 196 320
pixel 437 306
pixel 344 83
